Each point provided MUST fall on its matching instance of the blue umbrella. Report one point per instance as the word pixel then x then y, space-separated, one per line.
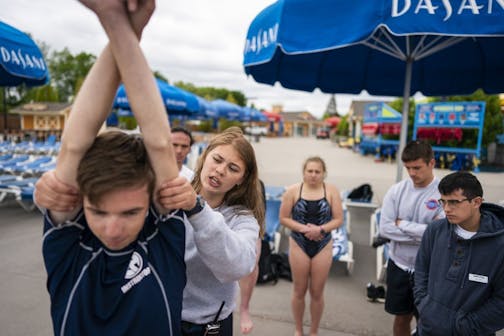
pixel 228 110
pixel 392 48
pixel 21 61
pixel 255 114
pixel 177 101
pixel 207 110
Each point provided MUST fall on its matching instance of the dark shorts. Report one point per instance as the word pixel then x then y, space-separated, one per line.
pixel 399 299
pixel 192 329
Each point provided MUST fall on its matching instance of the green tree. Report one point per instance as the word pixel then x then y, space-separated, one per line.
pixel 45 93
pixel 343 126
pixel 212 93
pixel 68 71
pixel 159 75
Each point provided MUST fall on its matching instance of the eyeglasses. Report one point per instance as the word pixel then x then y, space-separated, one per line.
pixel 453 202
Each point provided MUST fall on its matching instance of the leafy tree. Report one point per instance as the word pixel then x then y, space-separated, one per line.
pixel 45 93
pixel 230 98
pixel 159 75
pixel 211 93
pixel 205 126
pixel 343 126
pixel 68 71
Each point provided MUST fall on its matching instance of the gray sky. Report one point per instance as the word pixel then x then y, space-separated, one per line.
pixel 197 41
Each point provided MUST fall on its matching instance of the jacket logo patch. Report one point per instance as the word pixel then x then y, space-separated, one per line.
pixel 135 266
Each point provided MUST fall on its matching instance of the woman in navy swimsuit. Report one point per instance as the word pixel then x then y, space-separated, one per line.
pixel 311 210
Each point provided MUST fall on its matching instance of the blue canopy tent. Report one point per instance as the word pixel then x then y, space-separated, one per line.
pixel 228 110
pixel 177 101
pixel 379 119
pixel 206 111
pixel 21 61
pixel 390 48
pixel 255 115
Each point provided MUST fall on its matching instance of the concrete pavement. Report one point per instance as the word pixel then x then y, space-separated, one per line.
pixel 24 308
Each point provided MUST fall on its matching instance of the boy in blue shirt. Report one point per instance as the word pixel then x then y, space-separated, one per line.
pixel 115 262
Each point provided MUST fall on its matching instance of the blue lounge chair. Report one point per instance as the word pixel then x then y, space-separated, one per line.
pixel 342 246
pixel 21 190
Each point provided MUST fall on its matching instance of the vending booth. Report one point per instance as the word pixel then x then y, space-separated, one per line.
pixel 381 127
pixel 443 125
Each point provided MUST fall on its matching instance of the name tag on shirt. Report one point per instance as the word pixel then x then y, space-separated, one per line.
pixel 478 278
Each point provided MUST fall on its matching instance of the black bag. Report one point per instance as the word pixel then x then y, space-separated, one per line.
pixel 362 193
pixel 267 268
pixel 281 260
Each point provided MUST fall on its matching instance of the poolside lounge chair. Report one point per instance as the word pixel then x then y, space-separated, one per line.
pixel 21 190
pixel 381 247
pixel 342 246
pixel 273 228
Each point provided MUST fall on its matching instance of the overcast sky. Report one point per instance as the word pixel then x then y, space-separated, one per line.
pixel 196 41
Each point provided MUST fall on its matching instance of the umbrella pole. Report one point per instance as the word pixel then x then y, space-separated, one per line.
pixel 5 111
pixel 404 120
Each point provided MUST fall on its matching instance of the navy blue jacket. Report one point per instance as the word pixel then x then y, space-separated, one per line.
pixel 459 284
pixel 135 291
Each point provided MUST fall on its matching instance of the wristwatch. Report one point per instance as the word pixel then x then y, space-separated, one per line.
pixel 322 231
pixel 200 204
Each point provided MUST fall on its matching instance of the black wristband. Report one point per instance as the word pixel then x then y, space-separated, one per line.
pixel 200 204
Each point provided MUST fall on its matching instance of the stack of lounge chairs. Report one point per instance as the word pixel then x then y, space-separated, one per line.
pixel 21 164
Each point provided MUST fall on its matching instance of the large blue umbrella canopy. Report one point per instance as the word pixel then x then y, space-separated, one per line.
pixel 21 61
pixel 386 47
pixel 228 110
pixel 207 110
pixel 255 114
pixel 176 100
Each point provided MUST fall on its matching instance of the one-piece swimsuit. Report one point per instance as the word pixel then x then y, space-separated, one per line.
pixel 317 212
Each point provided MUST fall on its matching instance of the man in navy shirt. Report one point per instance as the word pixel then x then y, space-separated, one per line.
pixel 115 261
pixel 459 277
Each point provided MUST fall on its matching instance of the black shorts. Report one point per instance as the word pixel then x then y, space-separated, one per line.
pixel 399 298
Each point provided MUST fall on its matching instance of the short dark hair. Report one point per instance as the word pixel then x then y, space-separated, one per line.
pixel 180 129
pixel 417 149
pixel 462 180
pixel 116 160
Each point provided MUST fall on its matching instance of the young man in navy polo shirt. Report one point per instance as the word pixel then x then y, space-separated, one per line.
pixel 115 262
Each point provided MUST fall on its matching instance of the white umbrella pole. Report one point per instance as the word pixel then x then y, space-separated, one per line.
pixel 4 89
pixel 404 120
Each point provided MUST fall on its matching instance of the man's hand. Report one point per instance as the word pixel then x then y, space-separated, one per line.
pixel 177 194
pixel 52 194
pixel 102 7
pixel 140 14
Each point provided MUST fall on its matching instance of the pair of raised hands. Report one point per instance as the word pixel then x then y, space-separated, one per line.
pixel 138 12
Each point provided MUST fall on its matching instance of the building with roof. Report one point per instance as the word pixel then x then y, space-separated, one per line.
pixel 42 118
